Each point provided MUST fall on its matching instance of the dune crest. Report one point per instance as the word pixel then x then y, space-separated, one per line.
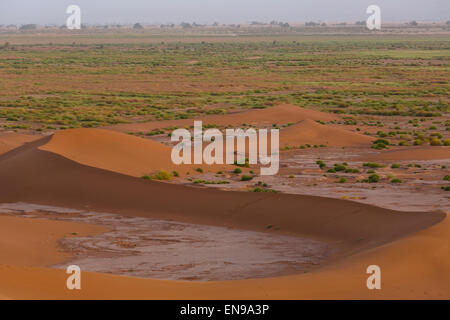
pixel 281 114
pixel 412 257
pixel 311 132
pixel 117 152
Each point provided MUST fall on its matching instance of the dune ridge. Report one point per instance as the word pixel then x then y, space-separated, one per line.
pixel 364 234
pixel 280 114
pixel 9 141
pixel 311 132
pixel 62 182
pixel 118 152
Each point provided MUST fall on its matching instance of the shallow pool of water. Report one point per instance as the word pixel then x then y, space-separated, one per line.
pixel 145 247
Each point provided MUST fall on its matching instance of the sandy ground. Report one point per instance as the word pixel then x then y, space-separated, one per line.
pixel 161 249
pixel 281 114
pixel 36 243
pixel 413 268
pixel 421 153
pixel 9 141
pixel 96 170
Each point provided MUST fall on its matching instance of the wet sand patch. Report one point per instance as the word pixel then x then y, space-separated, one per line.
pixel 159 249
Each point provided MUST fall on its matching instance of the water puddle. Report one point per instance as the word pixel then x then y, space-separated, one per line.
pixel 150 248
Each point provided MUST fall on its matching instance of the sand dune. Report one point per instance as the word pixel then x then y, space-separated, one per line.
pixel 413 264
pixel 311 132
pixel 61 182
pixel 281 114
pixel 415 267
pixel 9 141
pixel 36 243
pixel 118 152
pixel 419 153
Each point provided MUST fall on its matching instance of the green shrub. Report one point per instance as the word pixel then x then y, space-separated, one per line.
pixel 246 178
pixel 395 166
pixel 341 180
pixel 446 188
pixel 199 170
pixel 373 165
pixel 381 141
pixel 259 189
pixel 374 178
pixel 435 142
pixel 447 178
pixel 396 180
pixel 237 170
pixel 350 170
pixel 161 175
pixel 339 167
pixel 437 135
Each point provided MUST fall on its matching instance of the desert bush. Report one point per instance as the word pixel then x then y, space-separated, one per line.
pixel 374 178
pixel 161 175
pixel 339 167
pixel 435 142
pixel 237 170
pixel 373 165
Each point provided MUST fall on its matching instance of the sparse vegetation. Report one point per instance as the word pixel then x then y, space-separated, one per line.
pixel 246 177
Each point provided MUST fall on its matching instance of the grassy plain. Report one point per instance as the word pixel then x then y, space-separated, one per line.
pixel 55 81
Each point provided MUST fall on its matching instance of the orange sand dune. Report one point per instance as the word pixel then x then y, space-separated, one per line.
pixel 312 132
pixel 413 259
pixel 282 114
pixel 62 182
pixel 9 141
pixel 415 267
pixel 36 243
pixel 118 152
pixel 419 153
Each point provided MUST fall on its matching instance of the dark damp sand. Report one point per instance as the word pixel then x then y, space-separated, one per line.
pixel 159 249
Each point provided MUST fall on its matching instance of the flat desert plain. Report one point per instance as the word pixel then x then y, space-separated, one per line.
pixel 87 179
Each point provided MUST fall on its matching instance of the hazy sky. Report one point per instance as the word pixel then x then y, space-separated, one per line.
pixel 223 11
